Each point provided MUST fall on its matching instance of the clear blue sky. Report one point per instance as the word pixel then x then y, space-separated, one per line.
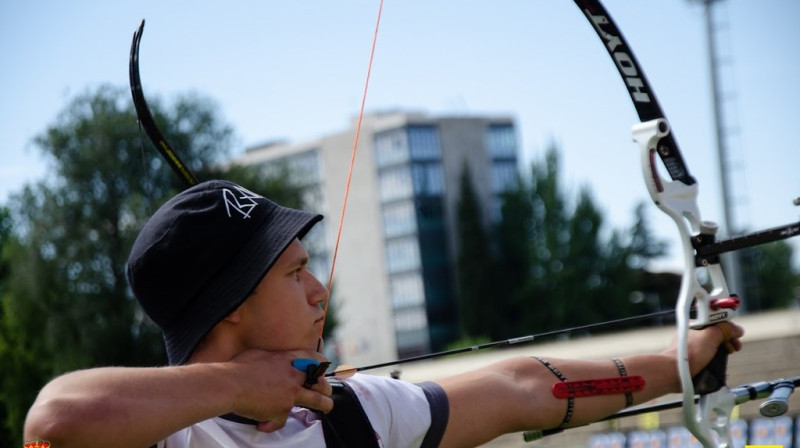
pixel 295 70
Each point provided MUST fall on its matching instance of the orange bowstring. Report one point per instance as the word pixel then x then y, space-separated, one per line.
pixel 350 170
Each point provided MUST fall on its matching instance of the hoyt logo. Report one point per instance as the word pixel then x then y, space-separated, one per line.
pixel 718 317
pixel 622 58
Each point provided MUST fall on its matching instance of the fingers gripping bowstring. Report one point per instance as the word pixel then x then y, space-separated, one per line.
pixel 352 163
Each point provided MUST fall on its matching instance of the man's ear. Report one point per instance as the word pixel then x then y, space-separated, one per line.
pixel 234 317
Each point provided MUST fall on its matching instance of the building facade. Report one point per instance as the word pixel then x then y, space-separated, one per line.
pixel 394 277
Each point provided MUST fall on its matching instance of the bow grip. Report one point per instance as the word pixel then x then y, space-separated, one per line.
pixel 712 377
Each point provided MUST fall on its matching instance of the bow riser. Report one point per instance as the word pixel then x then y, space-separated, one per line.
pixel 710 417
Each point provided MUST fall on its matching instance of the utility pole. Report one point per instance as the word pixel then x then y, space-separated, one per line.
pixel 731 260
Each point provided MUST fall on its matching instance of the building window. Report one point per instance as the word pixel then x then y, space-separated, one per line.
pixel 501 141
pixel 414 342
pixel 395 183
pixel 410 320
pixel 305 167
pixel 391 148
pixel 504 176
pixel 411 329
pixel 316 244
pixel 424 143
pixel 496 210
pixel 399 218
pixel 301 169
pixel 402 255
pixel 428 179
pixel 407 290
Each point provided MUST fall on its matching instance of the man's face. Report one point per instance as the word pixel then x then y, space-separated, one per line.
pixel 285 310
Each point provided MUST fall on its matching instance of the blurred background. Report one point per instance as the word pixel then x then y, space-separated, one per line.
pixel 240 88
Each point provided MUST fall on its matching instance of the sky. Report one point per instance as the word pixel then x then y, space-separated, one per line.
pixel 295 71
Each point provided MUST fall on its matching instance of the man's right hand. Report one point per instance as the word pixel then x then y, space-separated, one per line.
pixel 269 386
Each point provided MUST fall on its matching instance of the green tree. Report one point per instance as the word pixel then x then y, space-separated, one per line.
pixel 774 282
pixel 513 262
pixel 541 307
pixel 644 245
pixel 66 304
pixel 5 239
pixel 6 433
pixel 556 264
pixel 587 289
pixel 475 267
pixel 655 291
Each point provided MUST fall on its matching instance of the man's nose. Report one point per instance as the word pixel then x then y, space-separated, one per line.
pixel 318 293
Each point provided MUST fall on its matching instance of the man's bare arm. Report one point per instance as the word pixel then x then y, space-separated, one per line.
pixel 136 407
pixel 516 394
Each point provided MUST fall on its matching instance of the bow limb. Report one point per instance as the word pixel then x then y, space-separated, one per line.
pixel 708 419
pixel 146 118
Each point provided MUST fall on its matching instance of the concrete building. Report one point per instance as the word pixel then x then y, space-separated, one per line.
pixel 393 289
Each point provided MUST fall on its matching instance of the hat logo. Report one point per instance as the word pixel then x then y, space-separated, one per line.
pixel 242 202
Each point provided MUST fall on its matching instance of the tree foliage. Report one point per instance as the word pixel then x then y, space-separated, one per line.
pixel 771 281
pixel 476 309
pixel 552 264
pixel 65 300
pixel 580 270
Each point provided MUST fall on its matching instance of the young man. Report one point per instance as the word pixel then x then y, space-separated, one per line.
pixel 223 273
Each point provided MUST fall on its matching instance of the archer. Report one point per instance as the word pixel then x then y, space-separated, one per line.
pixel 223 272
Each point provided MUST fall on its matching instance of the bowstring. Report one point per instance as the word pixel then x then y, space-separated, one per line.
pixel 350 169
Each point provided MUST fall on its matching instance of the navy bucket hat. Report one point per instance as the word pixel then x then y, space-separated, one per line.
pixel 203 253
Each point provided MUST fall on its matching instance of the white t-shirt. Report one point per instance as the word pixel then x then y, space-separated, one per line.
pixel 401 414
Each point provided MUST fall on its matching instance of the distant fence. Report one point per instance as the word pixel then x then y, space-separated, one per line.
pixel 783 431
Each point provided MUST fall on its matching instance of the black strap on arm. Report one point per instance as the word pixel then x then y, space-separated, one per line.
pixel 347 425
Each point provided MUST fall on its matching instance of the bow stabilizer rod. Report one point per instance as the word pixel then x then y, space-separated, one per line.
pixel 776 393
